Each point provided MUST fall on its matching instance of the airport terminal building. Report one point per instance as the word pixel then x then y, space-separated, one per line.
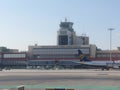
pixel 63 55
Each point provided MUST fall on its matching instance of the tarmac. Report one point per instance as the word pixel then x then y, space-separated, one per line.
pixel 91 79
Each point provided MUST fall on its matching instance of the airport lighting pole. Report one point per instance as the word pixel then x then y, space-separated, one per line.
pixel 111 29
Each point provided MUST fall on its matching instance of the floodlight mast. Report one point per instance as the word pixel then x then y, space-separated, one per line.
pixel 111 29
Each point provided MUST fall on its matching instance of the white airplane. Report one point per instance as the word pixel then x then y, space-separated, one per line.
pixel 98 64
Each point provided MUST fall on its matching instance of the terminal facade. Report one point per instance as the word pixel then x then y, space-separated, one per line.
pixel 62 55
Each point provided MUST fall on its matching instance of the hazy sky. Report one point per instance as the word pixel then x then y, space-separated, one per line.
pixel 26 22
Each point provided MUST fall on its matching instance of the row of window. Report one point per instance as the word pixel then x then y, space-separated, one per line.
pixel 38 63
pixel 55 56
pixel 59 51
pixel 9 62
pixel 51 63
pixel 108 55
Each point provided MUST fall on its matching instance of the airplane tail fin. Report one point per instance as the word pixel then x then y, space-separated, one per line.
pixel 82 57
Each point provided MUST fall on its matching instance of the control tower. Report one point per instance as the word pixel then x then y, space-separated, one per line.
pixel 66 34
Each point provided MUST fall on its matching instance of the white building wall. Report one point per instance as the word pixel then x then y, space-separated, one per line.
pixel 65 51
pixel 93 51
pixel 81 40
pixel 60 51
pixel 14 55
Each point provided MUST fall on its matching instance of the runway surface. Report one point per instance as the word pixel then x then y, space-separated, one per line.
pixel 60 78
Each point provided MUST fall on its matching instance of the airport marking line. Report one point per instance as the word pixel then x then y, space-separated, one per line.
pixel 73 87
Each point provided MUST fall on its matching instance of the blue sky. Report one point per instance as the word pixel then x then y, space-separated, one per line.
pixel 26 22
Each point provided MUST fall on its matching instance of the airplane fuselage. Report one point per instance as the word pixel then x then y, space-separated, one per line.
pixel 101 64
